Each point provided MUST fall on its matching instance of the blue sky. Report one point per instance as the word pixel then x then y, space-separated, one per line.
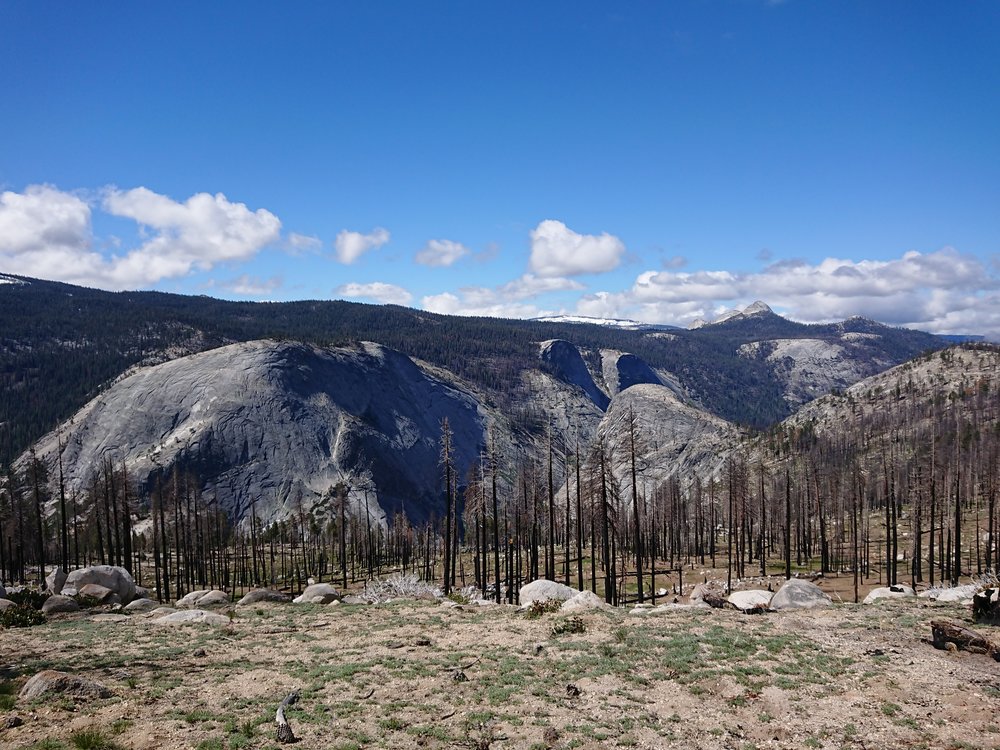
pixel 660 161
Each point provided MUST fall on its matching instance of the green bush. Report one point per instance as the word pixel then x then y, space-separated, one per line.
pixel 28 598
pixel 20 616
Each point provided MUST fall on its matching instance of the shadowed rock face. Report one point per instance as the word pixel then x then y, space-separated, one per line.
pixel 278 423
pixel 563 360
pixel 622 370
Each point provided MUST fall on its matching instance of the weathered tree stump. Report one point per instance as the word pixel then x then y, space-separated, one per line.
pixel 986 606
pixel 945 632
pixel 715 599
pixel 285 734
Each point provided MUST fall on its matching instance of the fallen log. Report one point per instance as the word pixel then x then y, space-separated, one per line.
pixel 944 632
pixel 285 734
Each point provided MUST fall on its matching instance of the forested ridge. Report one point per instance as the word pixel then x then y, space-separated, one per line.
pixel 59 344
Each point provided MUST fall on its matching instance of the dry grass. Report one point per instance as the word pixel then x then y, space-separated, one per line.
pixel 384 676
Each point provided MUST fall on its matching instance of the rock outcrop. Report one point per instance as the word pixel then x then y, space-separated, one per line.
pixel 622 370
pixel 281 423
pixel 563 360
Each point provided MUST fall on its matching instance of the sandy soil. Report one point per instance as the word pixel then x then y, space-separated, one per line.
pixel 385 676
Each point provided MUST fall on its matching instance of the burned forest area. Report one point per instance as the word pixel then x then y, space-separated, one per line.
pixel 545 545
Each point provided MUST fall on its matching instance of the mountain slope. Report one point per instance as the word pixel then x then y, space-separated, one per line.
pixel 61 344
pixel 279 424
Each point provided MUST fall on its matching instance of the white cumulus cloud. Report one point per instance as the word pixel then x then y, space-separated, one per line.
pixel 941 291
pixel 388 294
pixel 47 232
pixel 556 250
pixel 350 246
pixel 441 253
pixel 504 301
pixel 197 234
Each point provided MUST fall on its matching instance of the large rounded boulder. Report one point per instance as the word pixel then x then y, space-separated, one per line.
pixel 318 593
pixel 545 590
pixel 112 577
pixel 798 594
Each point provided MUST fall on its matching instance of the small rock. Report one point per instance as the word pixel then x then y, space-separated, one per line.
pixel 5 603
pixel 459 676
pixel 198 652
pixel 572 691
pixel 141 605
pixel 109 617
pixel 263 595
pixel 190 599
pixel 97 593
pixel 51 681
pixel 422 642
pixel 9 722
pixel 214 598
pixel 161 611
pixel 193 616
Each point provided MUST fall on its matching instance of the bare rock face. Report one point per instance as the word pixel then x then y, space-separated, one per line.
pixel 116 579
pixel 51 681
pixel 281 424
pixel 808 368
pixel 683 439
pixel 563 360
pixel 622 370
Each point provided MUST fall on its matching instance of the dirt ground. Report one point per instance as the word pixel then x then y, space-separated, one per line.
pixel 428 674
